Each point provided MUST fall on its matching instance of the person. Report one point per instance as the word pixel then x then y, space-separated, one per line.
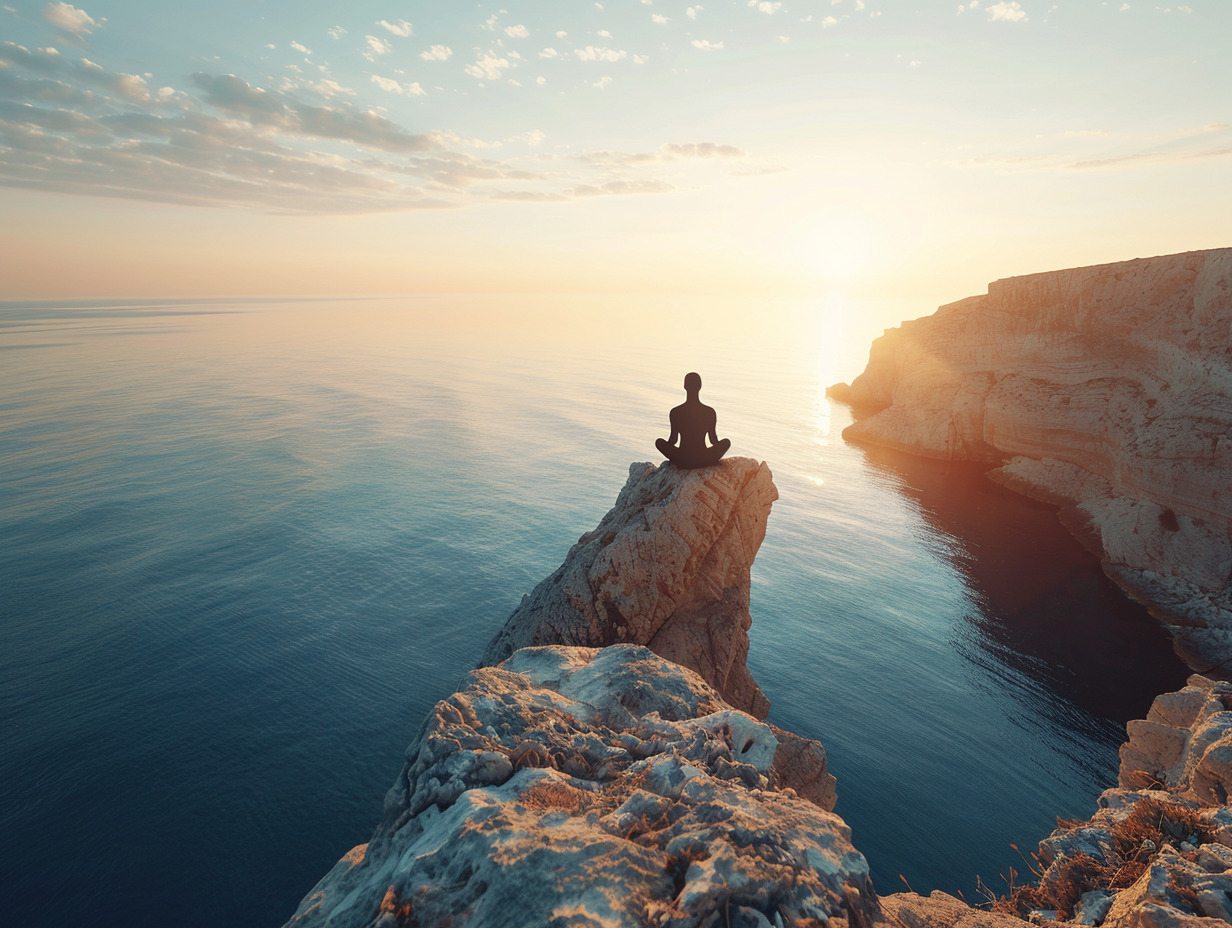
pixel 692 421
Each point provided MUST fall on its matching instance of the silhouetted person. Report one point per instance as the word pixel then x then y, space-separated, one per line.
pixel 692 421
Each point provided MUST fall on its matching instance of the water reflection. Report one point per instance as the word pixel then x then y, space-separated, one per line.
pixel 1044 608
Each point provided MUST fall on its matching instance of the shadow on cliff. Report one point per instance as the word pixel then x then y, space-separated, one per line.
pixel 1045 607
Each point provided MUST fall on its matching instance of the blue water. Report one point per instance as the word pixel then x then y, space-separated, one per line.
pixel 244 546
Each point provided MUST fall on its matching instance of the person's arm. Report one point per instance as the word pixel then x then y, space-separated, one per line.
pixel 671 418
pixel 714 438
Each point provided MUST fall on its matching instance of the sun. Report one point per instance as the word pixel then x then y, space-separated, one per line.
pixel 833 248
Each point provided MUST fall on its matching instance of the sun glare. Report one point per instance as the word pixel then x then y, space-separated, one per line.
pixel 834 248
pixel 832 323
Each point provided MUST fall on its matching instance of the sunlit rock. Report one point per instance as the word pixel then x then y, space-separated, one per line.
pixel 668 567
pixel 581 787
pixel 1106 390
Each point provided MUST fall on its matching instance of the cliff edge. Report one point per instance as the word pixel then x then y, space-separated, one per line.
pixel 1105 390
pixel 669 568
pixel 582 787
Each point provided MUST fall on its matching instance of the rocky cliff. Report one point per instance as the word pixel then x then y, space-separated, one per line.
pixel 1105 390
pixel 581 787
pixel 668 567
pixel 1157 853
pixel 584 786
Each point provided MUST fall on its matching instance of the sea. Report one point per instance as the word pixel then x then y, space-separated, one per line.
pixel 245 545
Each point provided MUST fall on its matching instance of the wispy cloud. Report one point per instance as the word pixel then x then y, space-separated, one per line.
pixel 67 18
pixel 400 28
pixel 375 47
pixel 299 141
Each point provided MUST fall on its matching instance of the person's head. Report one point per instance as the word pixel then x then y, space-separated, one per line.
pixel 692 383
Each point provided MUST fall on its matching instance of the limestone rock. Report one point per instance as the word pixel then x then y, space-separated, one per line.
pixel 668 568
pixel 1106 390
pixel 582 787
pixel 800 764
pixel 1158 850
pixel 1185 743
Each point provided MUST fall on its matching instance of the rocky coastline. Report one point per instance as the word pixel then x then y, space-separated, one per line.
pixel 608 764
pixel 1106 391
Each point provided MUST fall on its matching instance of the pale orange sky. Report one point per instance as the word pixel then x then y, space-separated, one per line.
pixel 895 154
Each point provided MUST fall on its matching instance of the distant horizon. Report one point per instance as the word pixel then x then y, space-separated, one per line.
pixel 529 291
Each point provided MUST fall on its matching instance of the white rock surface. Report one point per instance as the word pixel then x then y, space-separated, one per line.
pixel 1107 390
pixel 583 787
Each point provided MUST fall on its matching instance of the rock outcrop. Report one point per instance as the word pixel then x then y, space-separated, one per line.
pixel 668 568
pixel 579 787
pixel 1157 853
pixel 1104 390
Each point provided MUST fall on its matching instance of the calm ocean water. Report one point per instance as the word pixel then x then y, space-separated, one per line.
pixel 245 546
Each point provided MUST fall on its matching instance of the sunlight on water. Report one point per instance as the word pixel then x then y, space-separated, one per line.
pixel 248 545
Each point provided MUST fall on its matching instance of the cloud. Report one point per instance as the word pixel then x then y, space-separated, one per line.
pixel 393 86
pixel 1151 157
pixel 400 28
pixel 706 45
pixel 67 18
pixel 517 32
pixel 48 61
pixel 529 196
pixel 376 47
pixel 261 107
pixel 593 53
pixel 702 150
pixel 762 6
pixel 302 49
pixel 336 32
pixel 235 95
pixel 487 67
pixel 437 53
pixel 72 125
pixel 621 188
pixel 661 20
pixel 692 11
pixel 1011 12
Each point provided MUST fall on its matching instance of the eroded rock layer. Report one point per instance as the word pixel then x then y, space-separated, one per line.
pixel 668 568
pixel 582 787
pixel 1106 390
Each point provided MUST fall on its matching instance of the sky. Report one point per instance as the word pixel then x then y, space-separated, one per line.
pixel 899 151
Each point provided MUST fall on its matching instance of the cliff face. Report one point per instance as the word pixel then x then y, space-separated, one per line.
pixel 584 787
pixel 1106 390
pixel 668 567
